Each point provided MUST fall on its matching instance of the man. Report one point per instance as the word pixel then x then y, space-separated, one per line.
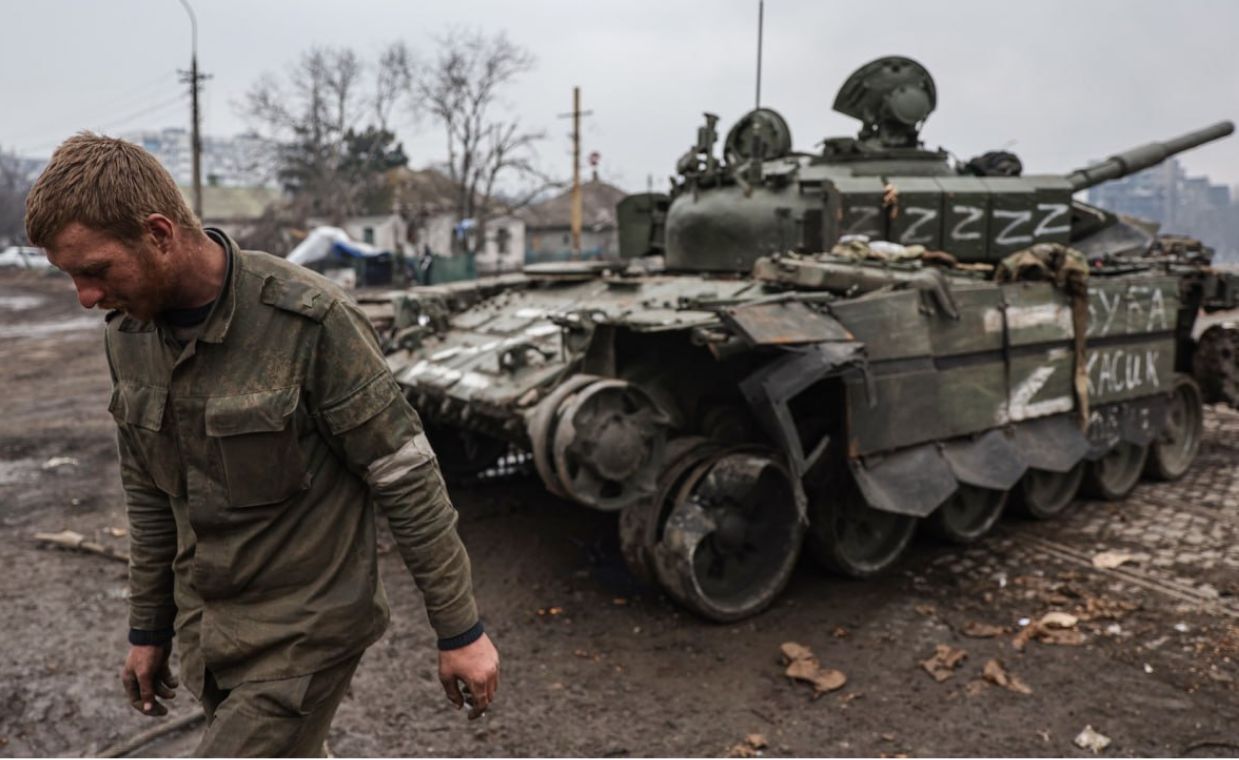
pixel 257 423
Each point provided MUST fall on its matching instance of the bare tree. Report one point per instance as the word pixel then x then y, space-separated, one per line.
pixel 462 90
pixel 323 119
pixel 392 81
pixel 14 185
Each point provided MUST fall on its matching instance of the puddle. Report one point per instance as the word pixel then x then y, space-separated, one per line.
pixel 17 470
pixel 44 329
pixel 20 303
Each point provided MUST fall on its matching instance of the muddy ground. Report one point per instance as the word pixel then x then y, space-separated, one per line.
pixel 594 664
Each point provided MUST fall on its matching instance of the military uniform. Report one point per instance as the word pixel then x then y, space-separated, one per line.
pixel 251 456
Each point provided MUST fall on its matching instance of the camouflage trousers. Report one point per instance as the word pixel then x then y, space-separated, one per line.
pixel 289 717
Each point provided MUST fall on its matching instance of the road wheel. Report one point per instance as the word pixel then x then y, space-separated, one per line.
pixel 968 515
pixel 851 538
pixel 1178 443
pixel 732 535
pixel 640 524
pixel 1114 475
pixel 1043 495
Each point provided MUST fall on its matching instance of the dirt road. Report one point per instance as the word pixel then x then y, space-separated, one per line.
pixel 596 665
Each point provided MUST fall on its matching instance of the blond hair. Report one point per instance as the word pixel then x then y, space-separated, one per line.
pixel 106 184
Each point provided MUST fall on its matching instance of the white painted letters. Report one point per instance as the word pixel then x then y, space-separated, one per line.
pixel 971 215
pixel 1018 219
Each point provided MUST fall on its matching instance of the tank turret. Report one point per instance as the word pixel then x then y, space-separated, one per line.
pixel 763 197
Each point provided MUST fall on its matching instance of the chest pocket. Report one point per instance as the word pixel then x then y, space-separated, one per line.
pixel 257 441
pixel 139 411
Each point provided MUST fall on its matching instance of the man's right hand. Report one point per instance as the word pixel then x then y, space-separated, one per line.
pixel 147 675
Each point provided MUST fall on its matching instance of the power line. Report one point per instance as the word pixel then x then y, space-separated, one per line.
pixel 178 98
pixel 161 107
pixel 126 100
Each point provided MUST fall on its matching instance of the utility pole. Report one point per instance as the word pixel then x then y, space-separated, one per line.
pixel 195 137
pixel 576 115
pixel 576 172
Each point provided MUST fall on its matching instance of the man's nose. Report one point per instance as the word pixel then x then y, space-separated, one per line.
pixel 89 296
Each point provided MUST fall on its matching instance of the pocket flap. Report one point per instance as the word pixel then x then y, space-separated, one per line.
pixel 138 405
pixel 258 412
pixel 373 398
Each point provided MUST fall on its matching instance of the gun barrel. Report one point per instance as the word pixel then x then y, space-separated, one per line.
pixel 1132 161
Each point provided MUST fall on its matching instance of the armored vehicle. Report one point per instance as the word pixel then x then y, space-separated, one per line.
pixel 830 349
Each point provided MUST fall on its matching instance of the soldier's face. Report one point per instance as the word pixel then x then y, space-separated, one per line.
pixel 111 274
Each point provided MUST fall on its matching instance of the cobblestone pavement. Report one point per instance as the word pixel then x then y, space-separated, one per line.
pixel 1180 547
pixel 1181 538
pixel 1182 535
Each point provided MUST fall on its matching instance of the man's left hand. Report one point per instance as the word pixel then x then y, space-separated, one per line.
pixel 477 667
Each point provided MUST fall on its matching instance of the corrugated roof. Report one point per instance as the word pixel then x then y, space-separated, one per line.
pixel 423 190
pixel 598 201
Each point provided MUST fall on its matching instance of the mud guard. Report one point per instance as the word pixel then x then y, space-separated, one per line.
pixel 910 482
pixel 990 460
pixel 770 390
pixel 916 480
pixel 1054 444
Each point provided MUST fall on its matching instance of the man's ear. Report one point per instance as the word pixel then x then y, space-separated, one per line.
pixel 162 231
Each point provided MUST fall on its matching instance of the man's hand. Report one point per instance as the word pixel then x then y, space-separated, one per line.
pixel 477 666
pixel 147 675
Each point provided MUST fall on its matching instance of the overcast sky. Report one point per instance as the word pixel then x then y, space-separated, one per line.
pixel 1058 82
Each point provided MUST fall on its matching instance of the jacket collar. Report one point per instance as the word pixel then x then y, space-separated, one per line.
pixel 218 321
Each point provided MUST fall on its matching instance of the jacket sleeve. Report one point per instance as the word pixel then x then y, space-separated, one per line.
pixel 373 427
pixel 152 537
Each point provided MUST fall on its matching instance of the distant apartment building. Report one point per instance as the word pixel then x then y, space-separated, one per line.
pixel 240 161
pixel 1180 203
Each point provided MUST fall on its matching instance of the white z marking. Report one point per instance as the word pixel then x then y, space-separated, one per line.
pixel 926 215
pixel 1056 210
pixel 1018 218
pixel 971 214
pixel 864 220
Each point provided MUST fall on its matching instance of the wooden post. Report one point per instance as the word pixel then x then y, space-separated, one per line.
pixel 576 172
pixel 196 138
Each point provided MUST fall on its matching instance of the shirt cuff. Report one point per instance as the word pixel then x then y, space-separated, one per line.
pixel 151 617
pixel 141 638
pixel 462 640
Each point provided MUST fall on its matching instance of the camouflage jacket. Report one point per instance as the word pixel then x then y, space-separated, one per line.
pixel 251 457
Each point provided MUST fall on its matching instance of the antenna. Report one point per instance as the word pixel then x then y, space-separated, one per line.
pixel 761 12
